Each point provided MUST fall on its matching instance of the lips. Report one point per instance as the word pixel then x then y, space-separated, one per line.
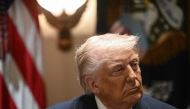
pixel 133 89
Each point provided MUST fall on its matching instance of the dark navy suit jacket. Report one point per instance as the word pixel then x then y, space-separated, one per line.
pixel 88 102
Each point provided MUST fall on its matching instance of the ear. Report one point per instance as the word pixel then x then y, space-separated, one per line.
pixel 91 83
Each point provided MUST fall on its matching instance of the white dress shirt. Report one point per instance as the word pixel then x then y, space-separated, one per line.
pixel 99 103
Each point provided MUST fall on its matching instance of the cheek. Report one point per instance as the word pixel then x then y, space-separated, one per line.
pixel 112 88
pixel 113 83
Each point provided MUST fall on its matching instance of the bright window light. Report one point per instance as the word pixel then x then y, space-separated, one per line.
pixel 57 6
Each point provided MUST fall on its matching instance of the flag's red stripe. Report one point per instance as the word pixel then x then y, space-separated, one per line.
pixel 6 101
pixel 26 65
pixel 31 5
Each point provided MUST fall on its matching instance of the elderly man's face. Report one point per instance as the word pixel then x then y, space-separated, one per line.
pixel 119 80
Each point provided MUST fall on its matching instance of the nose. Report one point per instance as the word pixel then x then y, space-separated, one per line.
pixel 131 75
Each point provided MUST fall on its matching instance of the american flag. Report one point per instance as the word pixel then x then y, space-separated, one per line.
pixel 21 67
pixel 127 25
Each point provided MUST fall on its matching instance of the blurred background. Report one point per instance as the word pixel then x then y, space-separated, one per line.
pixel 163 27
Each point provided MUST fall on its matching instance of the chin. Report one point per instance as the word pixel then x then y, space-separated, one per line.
pixel 135 97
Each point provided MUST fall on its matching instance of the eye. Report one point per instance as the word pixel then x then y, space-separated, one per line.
pixel 135 65
pixel 117 71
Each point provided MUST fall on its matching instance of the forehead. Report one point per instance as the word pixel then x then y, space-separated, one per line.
pixel 125 56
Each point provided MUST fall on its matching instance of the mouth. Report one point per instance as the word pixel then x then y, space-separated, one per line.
pixel 133 89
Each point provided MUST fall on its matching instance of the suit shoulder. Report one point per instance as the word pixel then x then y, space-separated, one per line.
pixel 153 103
pixel 62 105
pixel 65 104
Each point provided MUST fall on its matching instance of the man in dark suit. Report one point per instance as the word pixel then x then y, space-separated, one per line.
pixel 110 76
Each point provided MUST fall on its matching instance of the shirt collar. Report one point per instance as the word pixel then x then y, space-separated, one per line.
pixel 99 103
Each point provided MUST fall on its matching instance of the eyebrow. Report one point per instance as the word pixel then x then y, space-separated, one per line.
pixel 115 63
pixel 121 61
pixel 133 57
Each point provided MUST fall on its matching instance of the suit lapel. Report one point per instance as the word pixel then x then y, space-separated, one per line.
pixel 89 102
pixel 85 102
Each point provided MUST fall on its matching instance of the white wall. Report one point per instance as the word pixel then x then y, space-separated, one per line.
pixel 59 67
